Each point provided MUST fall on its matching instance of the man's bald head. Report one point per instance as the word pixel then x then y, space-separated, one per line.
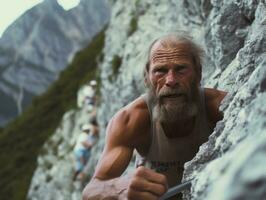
pixel 182 46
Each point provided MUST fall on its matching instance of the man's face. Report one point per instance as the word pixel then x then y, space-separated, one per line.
pixel 172 82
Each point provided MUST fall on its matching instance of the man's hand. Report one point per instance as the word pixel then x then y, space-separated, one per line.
pixel 146 184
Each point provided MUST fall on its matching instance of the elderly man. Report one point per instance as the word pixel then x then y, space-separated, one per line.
pixel 166 126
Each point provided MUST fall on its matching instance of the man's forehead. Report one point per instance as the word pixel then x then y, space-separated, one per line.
pixel 170 45
pixel 162 52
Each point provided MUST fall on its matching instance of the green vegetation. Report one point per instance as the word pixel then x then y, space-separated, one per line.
pixel 133 25
pixel 137 2
pixel 21 140
pixel 116 64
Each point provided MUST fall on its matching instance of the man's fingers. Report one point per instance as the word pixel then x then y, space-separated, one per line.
pixel 136 195
pixel 147 186
pixel 151 176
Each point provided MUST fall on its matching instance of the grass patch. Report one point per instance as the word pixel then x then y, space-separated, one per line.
pixel 133 25
pixel 116 64
pixel 22 139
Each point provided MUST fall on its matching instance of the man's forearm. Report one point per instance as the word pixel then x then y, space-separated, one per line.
pixel 114 189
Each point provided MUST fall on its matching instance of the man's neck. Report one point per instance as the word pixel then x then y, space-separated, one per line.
pixel 181 128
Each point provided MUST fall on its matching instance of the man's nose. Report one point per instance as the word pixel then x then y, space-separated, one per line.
pixel 171 79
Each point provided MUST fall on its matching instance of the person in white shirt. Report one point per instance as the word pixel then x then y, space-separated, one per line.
pixel 87 96
pixel 85 141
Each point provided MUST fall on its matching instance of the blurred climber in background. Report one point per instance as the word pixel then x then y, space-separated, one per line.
pixel 94 135
pixel 85 142
pixel 87 96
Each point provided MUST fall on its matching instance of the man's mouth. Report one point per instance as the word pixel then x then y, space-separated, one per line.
pixel 172 96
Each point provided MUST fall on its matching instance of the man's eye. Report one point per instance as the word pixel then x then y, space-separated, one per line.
pixel 160 71
pixel 182 69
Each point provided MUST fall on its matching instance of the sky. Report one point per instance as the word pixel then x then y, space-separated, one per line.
pixel 10 10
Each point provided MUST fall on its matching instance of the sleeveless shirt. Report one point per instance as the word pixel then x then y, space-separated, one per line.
pixel 168 155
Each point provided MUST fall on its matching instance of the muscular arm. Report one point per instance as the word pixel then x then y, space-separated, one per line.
pixel 118 149
pixel 114 160
pixel 125 131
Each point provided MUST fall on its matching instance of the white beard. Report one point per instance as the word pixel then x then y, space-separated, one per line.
pixel 179 109
pixel 171 113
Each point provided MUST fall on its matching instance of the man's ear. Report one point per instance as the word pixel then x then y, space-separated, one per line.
pixel 146 75
pixel 198 76
pixel 199 79
pixel 145 80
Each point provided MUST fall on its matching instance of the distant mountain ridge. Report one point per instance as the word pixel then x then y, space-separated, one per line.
pixel 37 46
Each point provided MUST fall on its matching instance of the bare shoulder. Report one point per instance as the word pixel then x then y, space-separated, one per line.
pixel 130 123
pixel 213 98
pixel 214 95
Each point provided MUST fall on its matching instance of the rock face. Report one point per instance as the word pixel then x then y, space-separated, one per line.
pixel 37 46
pixel 230 165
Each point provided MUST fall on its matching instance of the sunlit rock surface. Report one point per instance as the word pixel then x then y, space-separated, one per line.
pixel 237 146
pixel 230 165
pixel 39 44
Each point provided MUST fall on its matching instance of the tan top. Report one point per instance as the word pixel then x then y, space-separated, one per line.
pixel 168 155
